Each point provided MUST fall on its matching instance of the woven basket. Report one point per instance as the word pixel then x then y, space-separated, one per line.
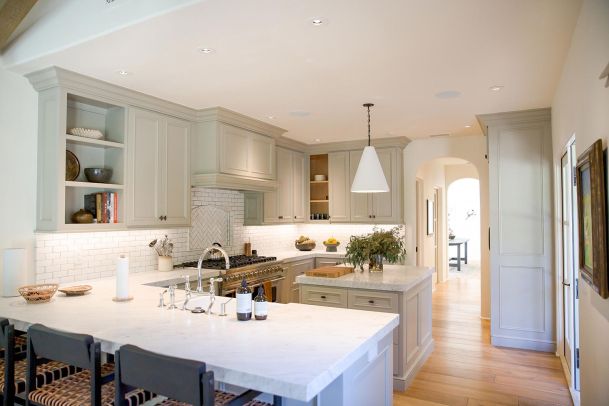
pixel 38 293
pixel 305 247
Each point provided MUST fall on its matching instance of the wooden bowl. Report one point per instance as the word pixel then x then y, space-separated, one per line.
pixel 38 293
pixel 305 247
pixel 79 290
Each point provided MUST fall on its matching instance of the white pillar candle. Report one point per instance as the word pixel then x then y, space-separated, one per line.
pixel 14 271
pixel 122 277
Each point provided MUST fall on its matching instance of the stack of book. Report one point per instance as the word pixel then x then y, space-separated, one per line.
pixel 103 206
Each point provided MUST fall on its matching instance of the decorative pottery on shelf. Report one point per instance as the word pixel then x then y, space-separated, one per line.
pixel 331 244
pixel 79 290
pixel 86 133
pixel 98 175
pixel 82 216
pixel 72 166
pixel 38 293
pixel 165 264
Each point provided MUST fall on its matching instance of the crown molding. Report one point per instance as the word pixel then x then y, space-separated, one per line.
pixel 513 117
pixel 289 143
pixel 231 117
pixel 393 142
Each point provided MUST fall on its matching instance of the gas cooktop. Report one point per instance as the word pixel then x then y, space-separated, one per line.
pixel 235 261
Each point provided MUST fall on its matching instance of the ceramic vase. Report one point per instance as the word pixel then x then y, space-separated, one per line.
pixel 165 263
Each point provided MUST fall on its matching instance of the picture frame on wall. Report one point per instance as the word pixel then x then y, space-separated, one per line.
pixel 430 216
pixel 591 203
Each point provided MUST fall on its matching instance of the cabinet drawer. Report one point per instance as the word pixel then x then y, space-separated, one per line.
pixel 323 296
pixel 322 262
pixel 373 301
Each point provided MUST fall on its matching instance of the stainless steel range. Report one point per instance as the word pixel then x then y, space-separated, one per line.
pixel 257 270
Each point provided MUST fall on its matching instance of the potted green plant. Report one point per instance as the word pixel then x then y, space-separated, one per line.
pixel 374 247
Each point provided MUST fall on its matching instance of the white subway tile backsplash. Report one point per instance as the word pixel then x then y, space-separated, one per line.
pixel 71 257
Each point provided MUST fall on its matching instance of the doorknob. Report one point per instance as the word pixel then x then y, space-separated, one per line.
pixel 566 284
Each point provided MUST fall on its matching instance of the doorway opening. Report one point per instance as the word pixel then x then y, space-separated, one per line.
pixel 463 219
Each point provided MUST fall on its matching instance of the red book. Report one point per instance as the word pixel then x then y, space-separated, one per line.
pixel 115 206
pixel 105 208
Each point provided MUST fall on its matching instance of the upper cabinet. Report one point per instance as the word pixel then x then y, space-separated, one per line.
pixel 232 151
pixel 379 208
pixel 339 187
pixel 287 203
pixel 159 170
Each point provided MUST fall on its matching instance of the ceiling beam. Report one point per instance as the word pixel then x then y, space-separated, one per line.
pixel 12 12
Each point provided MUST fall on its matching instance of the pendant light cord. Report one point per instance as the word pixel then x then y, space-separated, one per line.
pixel 368 105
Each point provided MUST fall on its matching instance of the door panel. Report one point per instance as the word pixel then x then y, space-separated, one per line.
pixel 360 202
pixel 177 180
pixel 261 157
pixel 145 136
pixel 298 186
pixel 339 186
pixel 234 149
pixel 285 206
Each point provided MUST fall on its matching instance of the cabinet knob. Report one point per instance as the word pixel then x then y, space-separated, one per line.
pixel 374 216
pixel 323 296
pixel 371 301
pixel 295 217
pixel 280 217
pixel 161 218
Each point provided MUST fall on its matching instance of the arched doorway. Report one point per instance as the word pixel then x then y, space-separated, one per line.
pixel 463 220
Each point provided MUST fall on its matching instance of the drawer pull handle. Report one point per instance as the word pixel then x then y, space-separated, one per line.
pixel 371 301
pixel 323 296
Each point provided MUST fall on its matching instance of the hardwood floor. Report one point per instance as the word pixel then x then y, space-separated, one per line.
pixel 465 370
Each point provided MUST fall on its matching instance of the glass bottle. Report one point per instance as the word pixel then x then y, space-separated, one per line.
pixel 244 302
pixel 261 305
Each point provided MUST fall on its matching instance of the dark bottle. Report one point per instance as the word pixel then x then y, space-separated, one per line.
pixel 244 302
pixel 261 305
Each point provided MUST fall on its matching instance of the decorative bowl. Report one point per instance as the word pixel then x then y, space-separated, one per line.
pixel 79 290
pixel 38 293
pixel 305 247
pixel 98 175
pixel 82 216
pixel 332 247
pixel 320 178
pixel 72 166
pixel 86 132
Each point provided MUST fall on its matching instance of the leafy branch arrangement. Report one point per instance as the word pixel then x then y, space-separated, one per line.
pixel 389 244
pixel 163 248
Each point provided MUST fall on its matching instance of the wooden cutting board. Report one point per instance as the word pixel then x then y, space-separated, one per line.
pixel 330 271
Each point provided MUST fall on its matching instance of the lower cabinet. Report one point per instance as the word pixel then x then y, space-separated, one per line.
pixel 323 262
pixel 291 291
pixel 412 339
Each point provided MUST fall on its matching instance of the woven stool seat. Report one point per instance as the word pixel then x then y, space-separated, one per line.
pixel 75 390
pixel 222 398
pixel 20 346
pixel 46 373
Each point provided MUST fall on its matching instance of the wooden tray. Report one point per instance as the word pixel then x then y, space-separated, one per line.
pixel 330 271
pixel 76 290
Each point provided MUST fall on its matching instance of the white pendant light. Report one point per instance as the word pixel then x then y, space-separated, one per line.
pixel 369 177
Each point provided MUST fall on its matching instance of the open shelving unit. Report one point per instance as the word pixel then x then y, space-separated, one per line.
pixel 108 152
pixel 318 189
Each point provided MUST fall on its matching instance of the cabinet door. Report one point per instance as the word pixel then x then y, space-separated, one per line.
pixel 261 157
pixel 176 175
pixel 295 269
pixel 339 187
pixel 385 205
pixel 234 150
pixel 252 208
pixel 285 199
pixel 360 202
pixel 298 186
pixel 270 208
pixel 144 168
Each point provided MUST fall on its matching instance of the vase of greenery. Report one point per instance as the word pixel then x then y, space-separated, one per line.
pixel 374 248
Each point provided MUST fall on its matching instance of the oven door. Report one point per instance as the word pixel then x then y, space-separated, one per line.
pixel 276 284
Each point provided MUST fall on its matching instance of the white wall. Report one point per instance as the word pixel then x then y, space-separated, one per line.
pixel 18 137
pixel 472 149
pixel 581 107
pixel 432 175
pixel 463 210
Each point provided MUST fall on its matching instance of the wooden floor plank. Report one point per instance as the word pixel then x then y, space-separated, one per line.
pixel 466 370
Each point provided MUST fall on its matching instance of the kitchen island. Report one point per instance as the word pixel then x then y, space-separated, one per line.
pixel 399 289
pixel 307 355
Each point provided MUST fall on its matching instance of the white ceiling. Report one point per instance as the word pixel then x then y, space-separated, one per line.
pixel 271 61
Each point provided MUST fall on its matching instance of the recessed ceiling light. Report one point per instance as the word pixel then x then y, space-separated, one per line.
pixel 448 94
pixel 319 21
pixel 317 140
pixel 496 88
pixel 468 126
pixel 206 50
pixel 123 72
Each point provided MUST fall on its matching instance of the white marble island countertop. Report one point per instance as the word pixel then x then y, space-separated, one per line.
pixel 395 278
pixel 296 353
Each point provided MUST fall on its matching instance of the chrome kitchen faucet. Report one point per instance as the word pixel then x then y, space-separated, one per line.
pixel 206 251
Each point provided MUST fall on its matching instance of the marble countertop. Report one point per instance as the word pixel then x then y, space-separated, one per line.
pixel 395 278
pixel 295 353
pixel 291 255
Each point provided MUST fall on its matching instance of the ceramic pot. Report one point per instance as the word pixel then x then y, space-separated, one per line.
pixel 376 263
pixel 82 216
pixel 165 264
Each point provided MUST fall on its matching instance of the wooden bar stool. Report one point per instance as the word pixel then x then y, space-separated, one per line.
pixel 93 385
pixel 182 382
pixel 13 366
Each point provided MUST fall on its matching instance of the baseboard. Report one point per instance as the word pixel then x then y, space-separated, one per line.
pixel 401 383
pixel 525 344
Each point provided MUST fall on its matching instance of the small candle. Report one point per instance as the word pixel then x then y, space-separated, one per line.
pixel 122 277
